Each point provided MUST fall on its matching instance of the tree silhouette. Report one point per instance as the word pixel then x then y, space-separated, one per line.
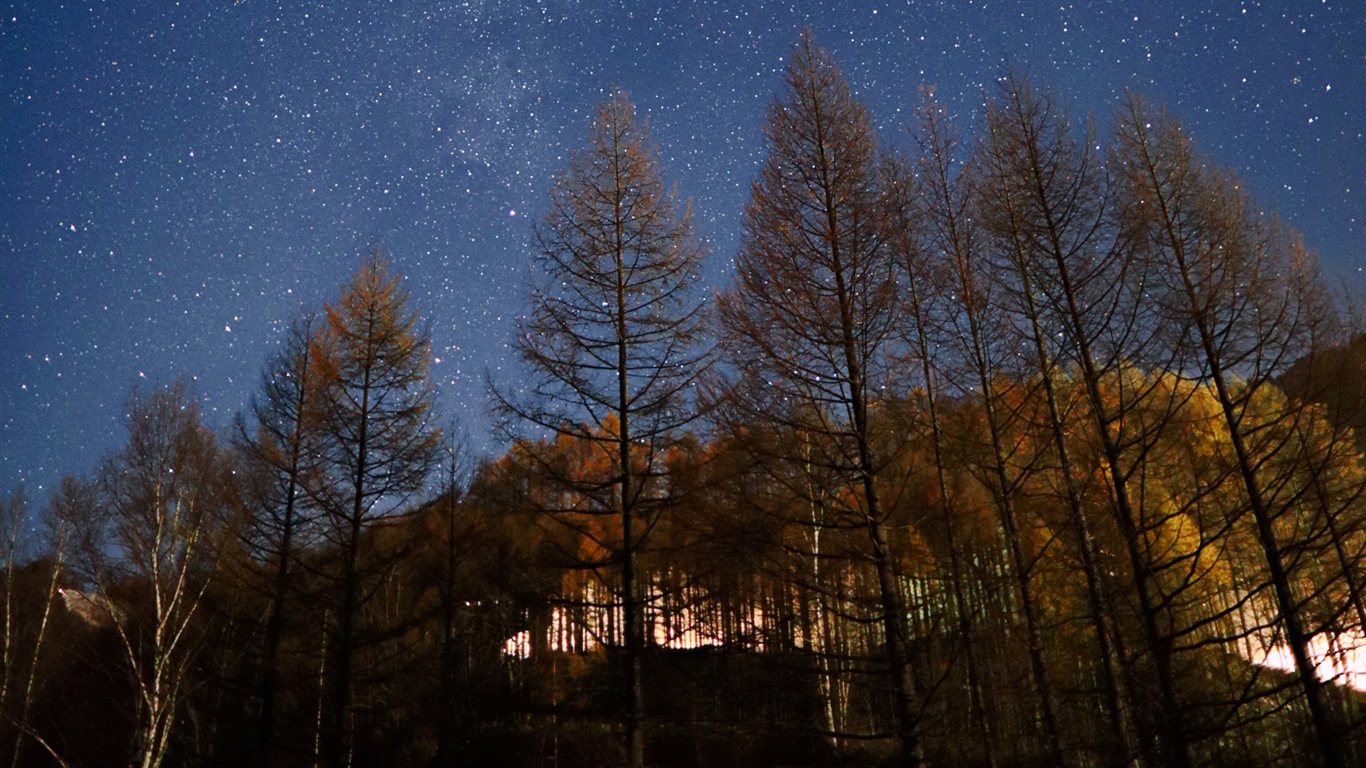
pixel 1247 299
pixel 149 540
pixel 614 344
pixel 373 450
pixel 284 417
pixel 813 314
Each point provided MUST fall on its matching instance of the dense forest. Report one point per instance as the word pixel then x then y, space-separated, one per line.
pixel 1034 445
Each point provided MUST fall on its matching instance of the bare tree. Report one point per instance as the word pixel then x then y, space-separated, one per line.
pixel 24 643
pixel 148 542
pixel 984 368
pixel 1045 206
pixel 614 343
pixel 928 290
pixel 813 314
pixel 13 522
pixel 451 544
pixel 284 417
pixel 374 448
pixel 1246 298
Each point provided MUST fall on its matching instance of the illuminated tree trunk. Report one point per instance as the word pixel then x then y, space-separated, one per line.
pixel 154 520
pixel 69 493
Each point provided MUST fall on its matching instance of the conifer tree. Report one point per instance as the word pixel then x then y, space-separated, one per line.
pixel 374 448
pixel 1043 206
pixel 272 445
pixel 982 362
pixel 1247 300
pixel 614 345
pixel 813 316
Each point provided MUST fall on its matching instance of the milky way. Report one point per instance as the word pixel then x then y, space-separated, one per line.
pixel 177 180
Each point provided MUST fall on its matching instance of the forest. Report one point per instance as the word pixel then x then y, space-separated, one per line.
pixel 1037 442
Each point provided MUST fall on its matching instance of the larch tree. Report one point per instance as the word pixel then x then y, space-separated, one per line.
pixel 928 288
pixel 450 542
pixel 1247 299
pixel 1044 206
pixel 812 318
pixel 615 343
pixel 272 444
pixel 374 447
pixel 983 356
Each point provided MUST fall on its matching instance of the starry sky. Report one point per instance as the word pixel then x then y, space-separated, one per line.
pixel 179 179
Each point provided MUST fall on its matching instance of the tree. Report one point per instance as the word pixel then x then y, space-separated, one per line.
pixel 1247 299
pixel 284 417
pixel 1044 206
pixel 983 356
pixel 913 234
pixel 148 541
pixel 13 521
pixel 23 642
pixel 450 543
pixel 374 447
pixel 813 314
pixel 614 341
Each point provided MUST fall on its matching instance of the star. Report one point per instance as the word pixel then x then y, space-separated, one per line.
pixel 248 155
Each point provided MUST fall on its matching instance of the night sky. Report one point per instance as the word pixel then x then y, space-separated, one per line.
pixel 177 180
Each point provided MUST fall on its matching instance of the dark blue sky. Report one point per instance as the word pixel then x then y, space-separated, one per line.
pixel 178 179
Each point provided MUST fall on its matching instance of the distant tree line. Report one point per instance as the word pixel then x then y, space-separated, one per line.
pixel 1040 447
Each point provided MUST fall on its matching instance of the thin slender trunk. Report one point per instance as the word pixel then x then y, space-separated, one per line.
pixel 338 742
pixel 449 649
pixel 1086 549
pixel 1005 507
pixel 893 602
pixel 1004 492
pixel 1022 126
pixel 966 634
pixel 1173 748
pixel 1038 666
pixel 1326 734
pixel 631 606
pixel 6 657
pixel 964 611
pixel 319 719
pixel 817 625
pixel 944 203
pixel 275 624
pixel 26 703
